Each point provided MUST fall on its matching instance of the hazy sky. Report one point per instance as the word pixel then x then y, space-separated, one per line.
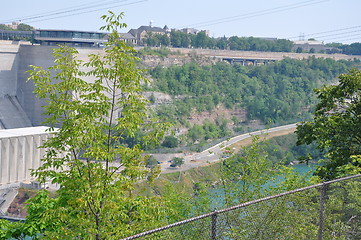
pixel 325 20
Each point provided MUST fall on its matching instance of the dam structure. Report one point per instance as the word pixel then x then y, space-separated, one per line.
pixel 19 153
pixel 21 113
pixel 19 107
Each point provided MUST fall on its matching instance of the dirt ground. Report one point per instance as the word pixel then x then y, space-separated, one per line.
pixel 16 208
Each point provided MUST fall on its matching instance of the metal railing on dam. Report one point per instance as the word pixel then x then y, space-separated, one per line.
pixel 329 210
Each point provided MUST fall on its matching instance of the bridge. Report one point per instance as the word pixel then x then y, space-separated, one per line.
pixel 256 58
pixel 244 61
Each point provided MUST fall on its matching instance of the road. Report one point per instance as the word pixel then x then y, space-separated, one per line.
pixel 259 55
pixel 215 153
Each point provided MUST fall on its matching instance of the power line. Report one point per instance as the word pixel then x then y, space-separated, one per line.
pixel 343 37
pixel 335 34
pixel 62 12
pixel 216 21
pixel 256 14
pixel 96 10
pixel 335 30
pixel 349 39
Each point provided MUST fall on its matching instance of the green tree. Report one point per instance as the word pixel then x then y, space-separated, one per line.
pixel 222 43
pixel 250 175
pixel 336 126
pixel 152 98
pixel 151 39
pixel 352 49
pixel 170 142
pixel 201 40
pixel 177 162
pixel 196 133
pixel 151 162
pixel 185 40
pixel 96 174
pixel 164 40
pixel 5 27
pixel 24 27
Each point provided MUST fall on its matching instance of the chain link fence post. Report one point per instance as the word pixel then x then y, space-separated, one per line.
pixel 322 212
pixel 214 225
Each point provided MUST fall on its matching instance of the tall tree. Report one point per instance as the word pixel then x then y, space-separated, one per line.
pixel 24 27
pixel 201 40
pixel 336 126
pixel 96 174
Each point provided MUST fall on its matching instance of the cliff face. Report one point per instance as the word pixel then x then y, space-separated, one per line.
pixel 151 61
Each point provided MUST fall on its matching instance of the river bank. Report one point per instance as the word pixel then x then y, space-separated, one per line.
pixel 214 154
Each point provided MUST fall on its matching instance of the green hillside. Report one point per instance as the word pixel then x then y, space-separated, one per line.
pixel 278 93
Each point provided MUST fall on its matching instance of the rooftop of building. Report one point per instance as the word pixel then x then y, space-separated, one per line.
pixel 310 42
pixel 19 132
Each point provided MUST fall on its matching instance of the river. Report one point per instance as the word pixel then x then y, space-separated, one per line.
pixel 216 194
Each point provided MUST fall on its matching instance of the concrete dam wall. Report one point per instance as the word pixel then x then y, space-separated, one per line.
pixel 19 107
pixel 20 152
pixel 12 114
pixel 21 112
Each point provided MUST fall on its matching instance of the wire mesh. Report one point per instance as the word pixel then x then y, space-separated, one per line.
pixel 330 210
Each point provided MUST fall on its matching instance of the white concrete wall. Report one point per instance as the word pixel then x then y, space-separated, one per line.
pixel 19 153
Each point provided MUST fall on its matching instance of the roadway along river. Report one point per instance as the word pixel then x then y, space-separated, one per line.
pixel 215 152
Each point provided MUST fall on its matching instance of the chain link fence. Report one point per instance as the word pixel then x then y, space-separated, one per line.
pixel 329 210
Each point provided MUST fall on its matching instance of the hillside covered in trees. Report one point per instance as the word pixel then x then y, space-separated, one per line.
pixel 201 40
pixel 279 93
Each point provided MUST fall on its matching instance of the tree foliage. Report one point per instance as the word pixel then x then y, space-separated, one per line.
pixel 20 27
pixel 208 131
pixel 285 147
pixel 335 127
pixel 352 49
pixel 24 27
pixel 274 93
pixel 151 162
pixel 201 40
pixel 170 142
pixel 249 175
pixel 95 173
pixel 177 162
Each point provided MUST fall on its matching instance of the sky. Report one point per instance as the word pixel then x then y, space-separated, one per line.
pixel 324 20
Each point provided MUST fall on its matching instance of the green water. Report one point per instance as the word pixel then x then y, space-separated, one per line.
pixel 217 194
pixel 303 169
